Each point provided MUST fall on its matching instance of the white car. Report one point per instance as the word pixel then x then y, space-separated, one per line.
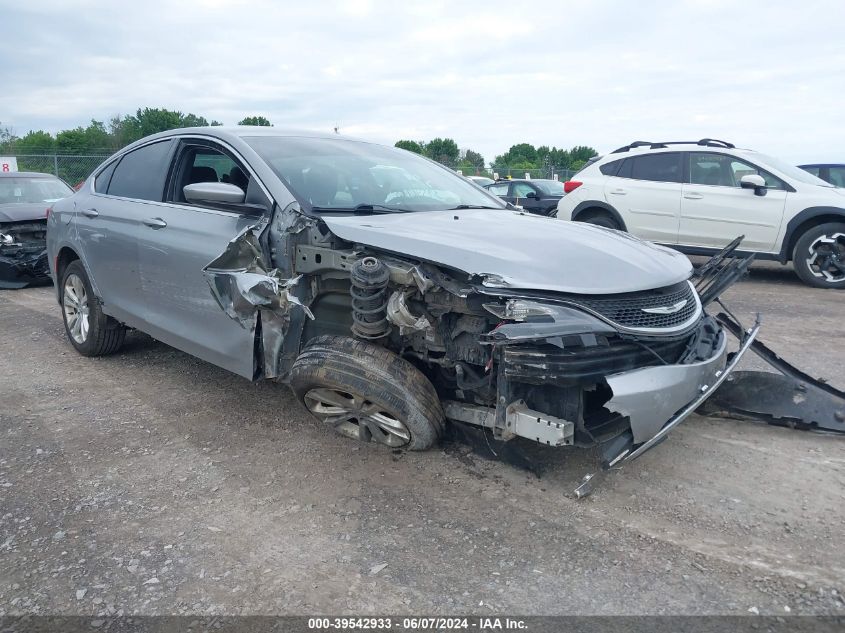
pixel 698 196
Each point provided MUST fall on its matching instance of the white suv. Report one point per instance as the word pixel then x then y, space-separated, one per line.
pixel 698 196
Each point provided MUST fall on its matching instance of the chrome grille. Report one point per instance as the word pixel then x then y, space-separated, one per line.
pixel 628 310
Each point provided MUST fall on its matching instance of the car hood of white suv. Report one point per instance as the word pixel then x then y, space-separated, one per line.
pixel 520 251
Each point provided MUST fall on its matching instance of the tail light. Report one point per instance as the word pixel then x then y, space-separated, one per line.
pixel 48 212
pixel 571 185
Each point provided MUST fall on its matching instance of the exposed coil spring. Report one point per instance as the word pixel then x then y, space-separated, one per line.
pixel 369 277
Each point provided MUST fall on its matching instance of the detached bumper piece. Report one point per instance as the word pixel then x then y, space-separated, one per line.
pixel 618 453
pixel 789 398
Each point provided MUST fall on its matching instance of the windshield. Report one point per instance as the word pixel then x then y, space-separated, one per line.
pixel 327 174
pixel 796 173
pixel 32 190
pixel 551 187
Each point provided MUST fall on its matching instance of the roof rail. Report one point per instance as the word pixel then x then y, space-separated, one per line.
pixel 714 142
pixel 706 142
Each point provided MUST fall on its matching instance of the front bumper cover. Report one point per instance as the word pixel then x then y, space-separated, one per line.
pixel 646 395
pixel 21 266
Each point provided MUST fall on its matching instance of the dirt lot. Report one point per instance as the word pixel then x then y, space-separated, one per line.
pixel 151 482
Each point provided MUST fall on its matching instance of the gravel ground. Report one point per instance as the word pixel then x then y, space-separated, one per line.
pixel 154 483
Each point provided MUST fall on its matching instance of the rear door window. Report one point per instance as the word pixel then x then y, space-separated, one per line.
pixel 662 167
pixel 610 169
pixel 837 176
pixel 142 172
pixel 101 182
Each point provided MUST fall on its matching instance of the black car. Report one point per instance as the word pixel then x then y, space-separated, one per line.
pixel 829 172
pixel 24 198
pixel 536 196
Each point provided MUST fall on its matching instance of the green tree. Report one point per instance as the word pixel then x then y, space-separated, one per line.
pixel 255 120
pixel 443 150
pixel 473 158
pixel 7 140
pixel 522 153
pixel 35 142
pixel 411 146
pixel 192 120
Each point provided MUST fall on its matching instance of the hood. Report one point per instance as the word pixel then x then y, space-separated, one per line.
pixel 22 212
pixel 519 250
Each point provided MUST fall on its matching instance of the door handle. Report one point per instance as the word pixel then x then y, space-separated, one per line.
pixel 618 192
pixel 692 195
pixel 155 223
pixel 90 213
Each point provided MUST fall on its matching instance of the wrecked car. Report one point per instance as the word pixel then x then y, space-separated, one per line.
pixel 387 291
pixel 24 199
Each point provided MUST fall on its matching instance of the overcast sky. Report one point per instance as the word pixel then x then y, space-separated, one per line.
pixel 765 75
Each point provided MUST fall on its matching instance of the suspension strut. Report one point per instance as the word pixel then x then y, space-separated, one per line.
pixel 369 277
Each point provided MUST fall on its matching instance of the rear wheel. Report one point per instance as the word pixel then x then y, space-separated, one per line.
pixel 599 218
pixel 819 256
pixel 368 393
pixel 90 331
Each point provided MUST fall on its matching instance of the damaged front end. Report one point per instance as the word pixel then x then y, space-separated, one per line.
pixel 23 254
pixel 615 372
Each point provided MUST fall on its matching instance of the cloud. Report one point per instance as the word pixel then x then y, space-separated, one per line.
pixel 767 76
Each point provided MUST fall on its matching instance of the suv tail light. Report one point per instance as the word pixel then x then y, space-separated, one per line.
pixel 571 185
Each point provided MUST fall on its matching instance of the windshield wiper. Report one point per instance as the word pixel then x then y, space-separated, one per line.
pixel 472 206
pixel 360 208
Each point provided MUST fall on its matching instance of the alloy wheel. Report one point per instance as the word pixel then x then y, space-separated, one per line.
pixel 356 417
pixel 827 257
pixel 75 307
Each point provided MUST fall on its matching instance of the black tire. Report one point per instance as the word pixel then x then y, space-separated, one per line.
pixel 599 218
pixel 819 253
pixel 383 386
pixel 104 335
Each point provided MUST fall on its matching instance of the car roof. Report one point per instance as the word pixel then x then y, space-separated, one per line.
pixel 822 165
pixel 234 134
pixel 26 174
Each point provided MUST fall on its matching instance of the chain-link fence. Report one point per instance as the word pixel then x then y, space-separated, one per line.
pixel 72 168
pixel 548 172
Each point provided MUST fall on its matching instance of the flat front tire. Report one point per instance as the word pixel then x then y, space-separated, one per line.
pixel 819 256
pixel 91 332
pixel 368 393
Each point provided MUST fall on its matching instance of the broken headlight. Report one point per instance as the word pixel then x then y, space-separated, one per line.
pixel 522 310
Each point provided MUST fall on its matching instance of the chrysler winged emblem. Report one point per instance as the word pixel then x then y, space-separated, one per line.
pixel 671 309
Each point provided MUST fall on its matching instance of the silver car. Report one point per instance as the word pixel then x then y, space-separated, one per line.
pixel 391 294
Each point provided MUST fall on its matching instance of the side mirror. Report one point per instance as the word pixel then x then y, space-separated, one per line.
pixel 220 192
pixel 755 182
pixel 531 194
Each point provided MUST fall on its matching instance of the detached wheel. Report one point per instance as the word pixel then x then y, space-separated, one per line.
pixel 368 393
pixel 90 331
pixel 819 256
pixel 599 218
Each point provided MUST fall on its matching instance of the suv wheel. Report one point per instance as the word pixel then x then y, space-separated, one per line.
pixel 599 218
pixel 90 331
pixel 368 393
pixel 819 256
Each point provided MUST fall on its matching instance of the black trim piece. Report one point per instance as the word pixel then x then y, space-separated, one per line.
pixel 708 251
pixel 792 226
pixel 596 204
pixel 705 142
